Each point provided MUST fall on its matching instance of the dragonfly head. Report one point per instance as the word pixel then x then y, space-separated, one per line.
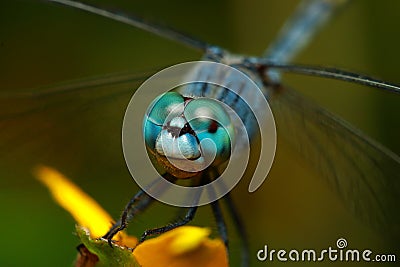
pixel 184 135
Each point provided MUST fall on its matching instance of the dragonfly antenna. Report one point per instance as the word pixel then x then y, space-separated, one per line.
pixel 138 23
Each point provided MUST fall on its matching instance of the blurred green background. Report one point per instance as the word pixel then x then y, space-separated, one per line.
pixel 79 133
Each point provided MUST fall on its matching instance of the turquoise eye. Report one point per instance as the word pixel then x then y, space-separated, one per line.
pixel 168 104
pixel 180 130
pixel 209 119
pixel 161 107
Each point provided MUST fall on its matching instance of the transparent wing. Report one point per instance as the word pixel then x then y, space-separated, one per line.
pixel 39 125
pixel 365 174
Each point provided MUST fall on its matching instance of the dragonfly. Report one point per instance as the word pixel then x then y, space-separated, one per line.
pixel 285 106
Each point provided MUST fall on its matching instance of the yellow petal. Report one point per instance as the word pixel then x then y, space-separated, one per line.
pixel 87 212
pixel 183 246
pixel 188 239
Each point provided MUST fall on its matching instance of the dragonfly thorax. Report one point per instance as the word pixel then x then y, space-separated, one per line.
pixel 184 136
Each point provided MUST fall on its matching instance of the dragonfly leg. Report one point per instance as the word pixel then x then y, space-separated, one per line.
pixel 188 217
pixel 219 218
pixel 222 230
pixel 139 202
pixel 155 231
pixel 240 229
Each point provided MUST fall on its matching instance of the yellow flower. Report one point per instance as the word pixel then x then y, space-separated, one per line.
pixel 183 246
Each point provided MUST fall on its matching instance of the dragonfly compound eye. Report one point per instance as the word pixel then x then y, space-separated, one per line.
pixel 184 136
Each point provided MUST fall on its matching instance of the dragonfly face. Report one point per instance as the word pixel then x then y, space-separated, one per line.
pixel 176 129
